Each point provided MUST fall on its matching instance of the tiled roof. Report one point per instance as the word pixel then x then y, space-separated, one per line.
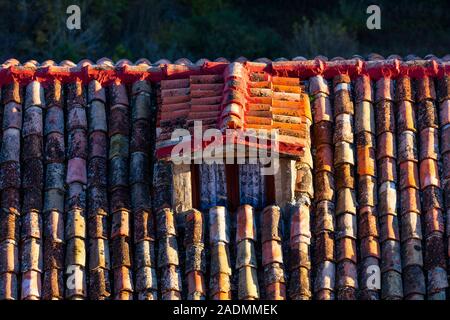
pixel 92 209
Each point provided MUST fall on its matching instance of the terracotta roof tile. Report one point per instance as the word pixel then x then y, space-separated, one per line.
pixel 272 256
pixel 195 266
pixel 324 190
pixel 367 154
pixel 32 184
pixel 220 271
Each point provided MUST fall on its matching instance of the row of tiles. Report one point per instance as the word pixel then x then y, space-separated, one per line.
pixel 185 61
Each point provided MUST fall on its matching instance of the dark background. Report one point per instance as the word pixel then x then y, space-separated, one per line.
pixel 196 29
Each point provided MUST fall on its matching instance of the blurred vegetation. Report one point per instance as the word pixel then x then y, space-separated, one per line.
pixel 220 28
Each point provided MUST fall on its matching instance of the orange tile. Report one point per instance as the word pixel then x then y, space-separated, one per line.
pixel 196 282
pixel 409 200
pixel 406 116
pixel 370 247
pixel 389 228
pixel 386 145
pixel 324 158
pixel 285 81
pixel 429 144
pixel 346 250
pixel 409 175
pixel 366 161
pixel 387 170
pixel 434 221
pixel 429 174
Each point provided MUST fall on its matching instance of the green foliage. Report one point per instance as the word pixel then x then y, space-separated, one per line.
pixel 219 28
pixel 322 37
pixel 223 33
